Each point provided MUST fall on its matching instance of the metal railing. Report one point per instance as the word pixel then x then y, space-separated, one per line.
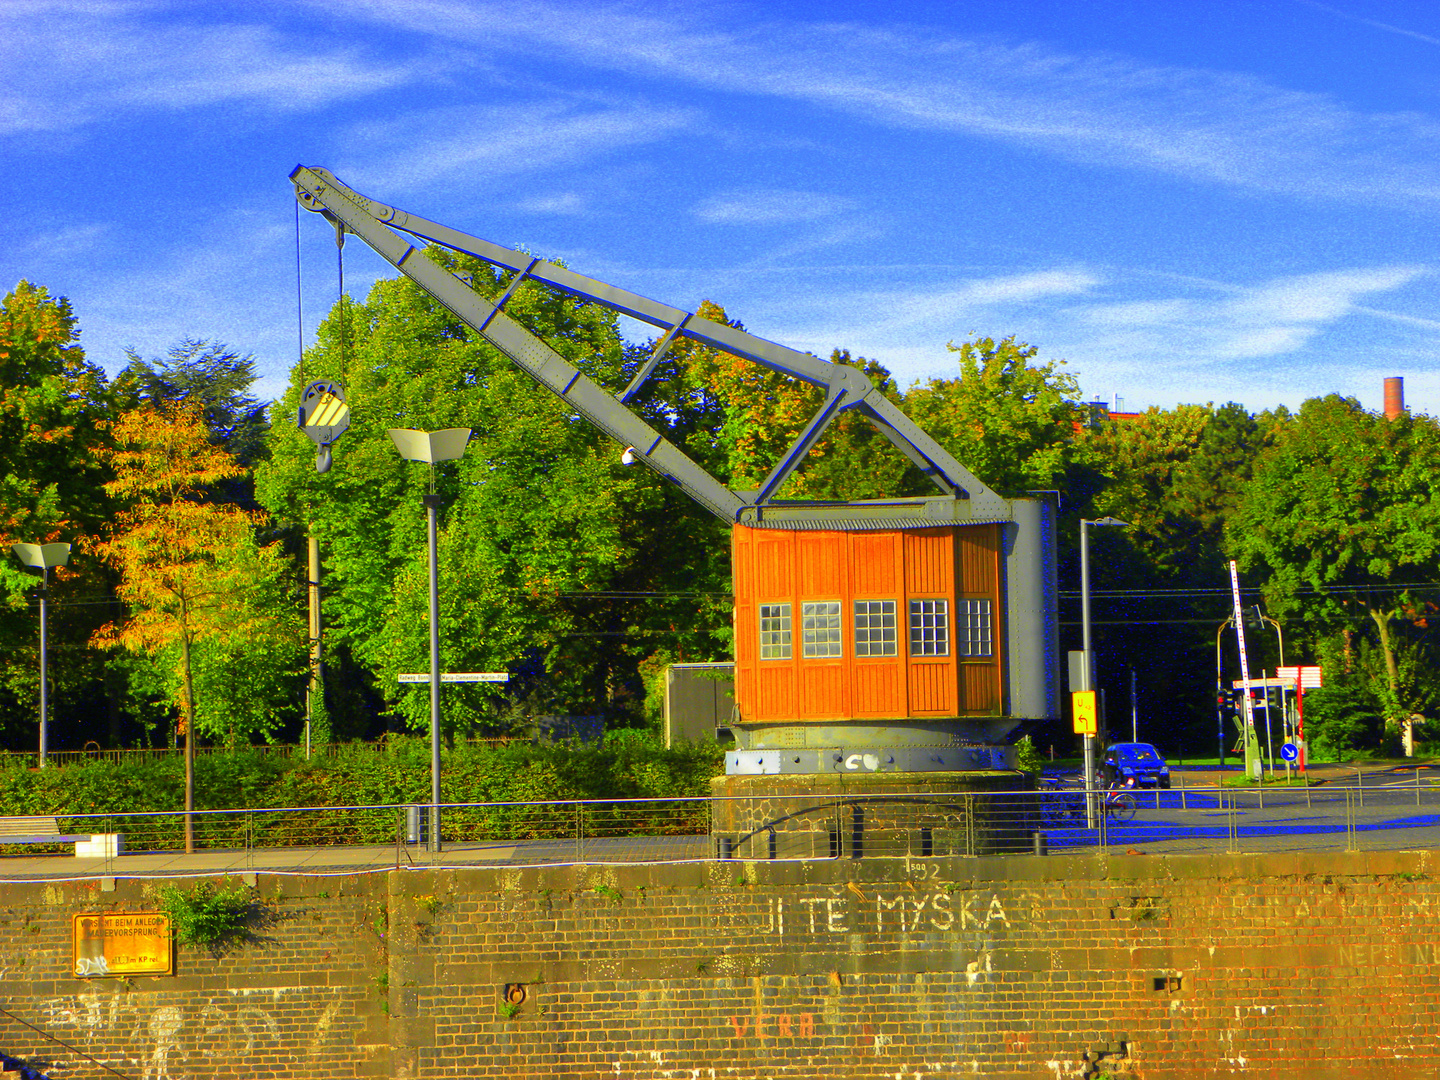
pixel 30 759
pixel 336 839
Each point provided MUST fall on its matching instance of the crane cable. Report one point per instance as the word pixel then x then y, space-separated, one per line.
pixel 299 301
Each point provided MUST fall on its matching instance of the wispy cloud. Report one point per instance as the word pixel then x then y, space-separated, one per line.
pixel 906 328
pixel 65 243
pixel 567 202
pixel 482 142
pixel 1270 319
pixel 1386 27
pixel 770 207
pixel 1206 125
pixel 63 66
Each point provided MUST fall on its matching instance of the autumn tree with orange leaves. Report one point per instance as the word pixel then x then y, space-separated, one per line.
pixel 198 586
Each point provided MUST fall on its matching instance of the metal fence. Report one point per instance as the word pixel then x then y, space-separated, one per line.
pixel 31 759
pixel 1055 819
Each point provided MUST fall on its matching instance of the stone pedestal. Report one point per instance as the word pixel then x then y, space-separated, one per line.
pixel 867 815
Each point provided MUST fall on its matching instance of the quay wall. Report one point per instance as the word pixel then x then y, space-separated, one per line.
pixel 1322 965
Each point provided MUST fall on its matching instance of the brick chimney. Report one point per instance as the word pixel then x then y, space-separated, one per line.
pixel 1394 397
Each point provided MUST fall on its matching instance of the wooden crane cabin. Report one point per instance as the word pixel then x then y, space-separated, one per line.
pixel 868 625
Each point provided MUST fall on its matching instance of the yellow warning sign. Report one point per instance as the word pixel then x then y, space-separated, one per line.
pixel 1082 704
pixel 121 943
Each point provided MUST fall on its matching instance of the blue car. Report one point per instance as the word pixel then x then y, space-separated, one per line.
pixel 1136 764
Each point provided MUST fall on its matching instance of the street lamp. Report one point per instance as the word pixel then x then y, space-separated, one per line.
pixel 447 444
pixel 42 557
pixel 1089 665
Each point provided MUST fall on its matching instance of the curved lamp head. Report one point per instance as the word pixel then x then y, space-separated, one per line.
pixel 42 556
pixel 447 444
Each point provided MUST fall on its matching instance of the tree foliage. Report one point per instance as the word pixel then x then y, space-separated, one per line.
pixel 1342 513
pixel 54 407
pixel 1007 420
pixel 539 517
pixel 206 604
pixel 209 377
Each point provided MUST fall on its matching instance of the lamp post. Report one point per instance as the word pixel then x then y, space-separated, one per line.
pixel 447 444
pixel 1089 665
pixel 41 557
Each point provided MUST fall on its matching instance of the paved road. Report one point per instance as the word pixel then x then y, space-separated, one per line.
pixel 1336 817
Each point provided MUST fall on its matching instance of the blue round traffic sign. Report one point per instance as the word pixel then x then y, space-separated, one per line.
pixel 1290 752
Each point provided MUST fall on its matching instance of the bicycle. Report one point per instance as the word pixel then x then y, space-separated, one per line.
pixel 1064 808
pixel 1120 806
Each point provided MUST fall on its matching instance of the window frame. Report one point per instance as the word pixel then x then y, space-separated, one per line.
pixel 835 628
pixel 865 649
pixel 975 627
pixel 784 628
pixel 937 645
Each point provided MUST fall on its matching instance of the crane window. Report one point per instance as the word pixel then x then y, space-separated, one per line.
pixel 875 631
pixel 774 631
pixel 974 630
pixel 820 629
pixel 929 628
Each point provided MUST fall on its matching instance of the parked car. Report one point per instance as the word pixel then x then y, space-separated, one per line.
pixel 1136 763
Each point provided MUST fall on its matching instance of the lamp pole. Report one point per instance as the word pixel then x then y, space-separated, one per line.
pixel 41 557
pixel 1090 777
pixel 432 506
pixel 430 447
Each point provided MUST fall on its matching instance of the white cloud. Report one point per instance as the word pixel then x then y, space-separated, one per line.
pixel 63 66
pixel 65 243
pixel 906 329
pixel 567 202
pixel 481 142
pixel 1271 319
pixel 1111 110
pixel 770 207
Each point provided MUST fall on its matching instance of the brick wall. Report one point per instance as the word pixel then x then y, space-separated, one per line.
pixel 1145 966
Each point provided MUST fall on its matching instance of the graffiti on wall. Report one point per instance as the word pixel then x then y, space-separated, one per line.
pixel 905 912
pixel 169 1041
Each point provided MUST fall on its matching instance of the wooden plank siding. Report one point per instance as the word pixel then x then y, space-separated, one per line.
pixel 950 563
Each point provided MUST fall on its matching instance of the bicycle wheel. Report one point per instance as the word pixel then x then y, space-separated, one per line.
pixel 1121 807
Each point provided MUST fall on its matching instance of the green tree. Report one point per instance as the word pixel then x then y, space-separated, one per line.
pixel 212 378
pixel 1342 514
pixel 751 416
pixel 204 599
pixel 54 410
pixel 1176 475
pixel 1007 420
pixel 540 518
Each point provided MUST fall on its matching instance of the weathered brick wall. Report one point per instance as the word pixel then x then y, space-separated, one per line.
pixel 1146 966
pixel 300 1000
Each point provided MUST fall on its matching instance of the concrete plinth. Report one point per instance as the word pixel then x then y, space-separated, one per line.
pixel 857 815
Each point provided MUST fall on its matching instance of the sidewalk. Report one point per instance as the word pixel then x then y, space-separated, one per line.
pixel 325 861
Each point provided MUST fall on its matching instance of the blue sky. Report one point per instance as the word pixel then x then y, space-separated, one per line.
pixel 1188 202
